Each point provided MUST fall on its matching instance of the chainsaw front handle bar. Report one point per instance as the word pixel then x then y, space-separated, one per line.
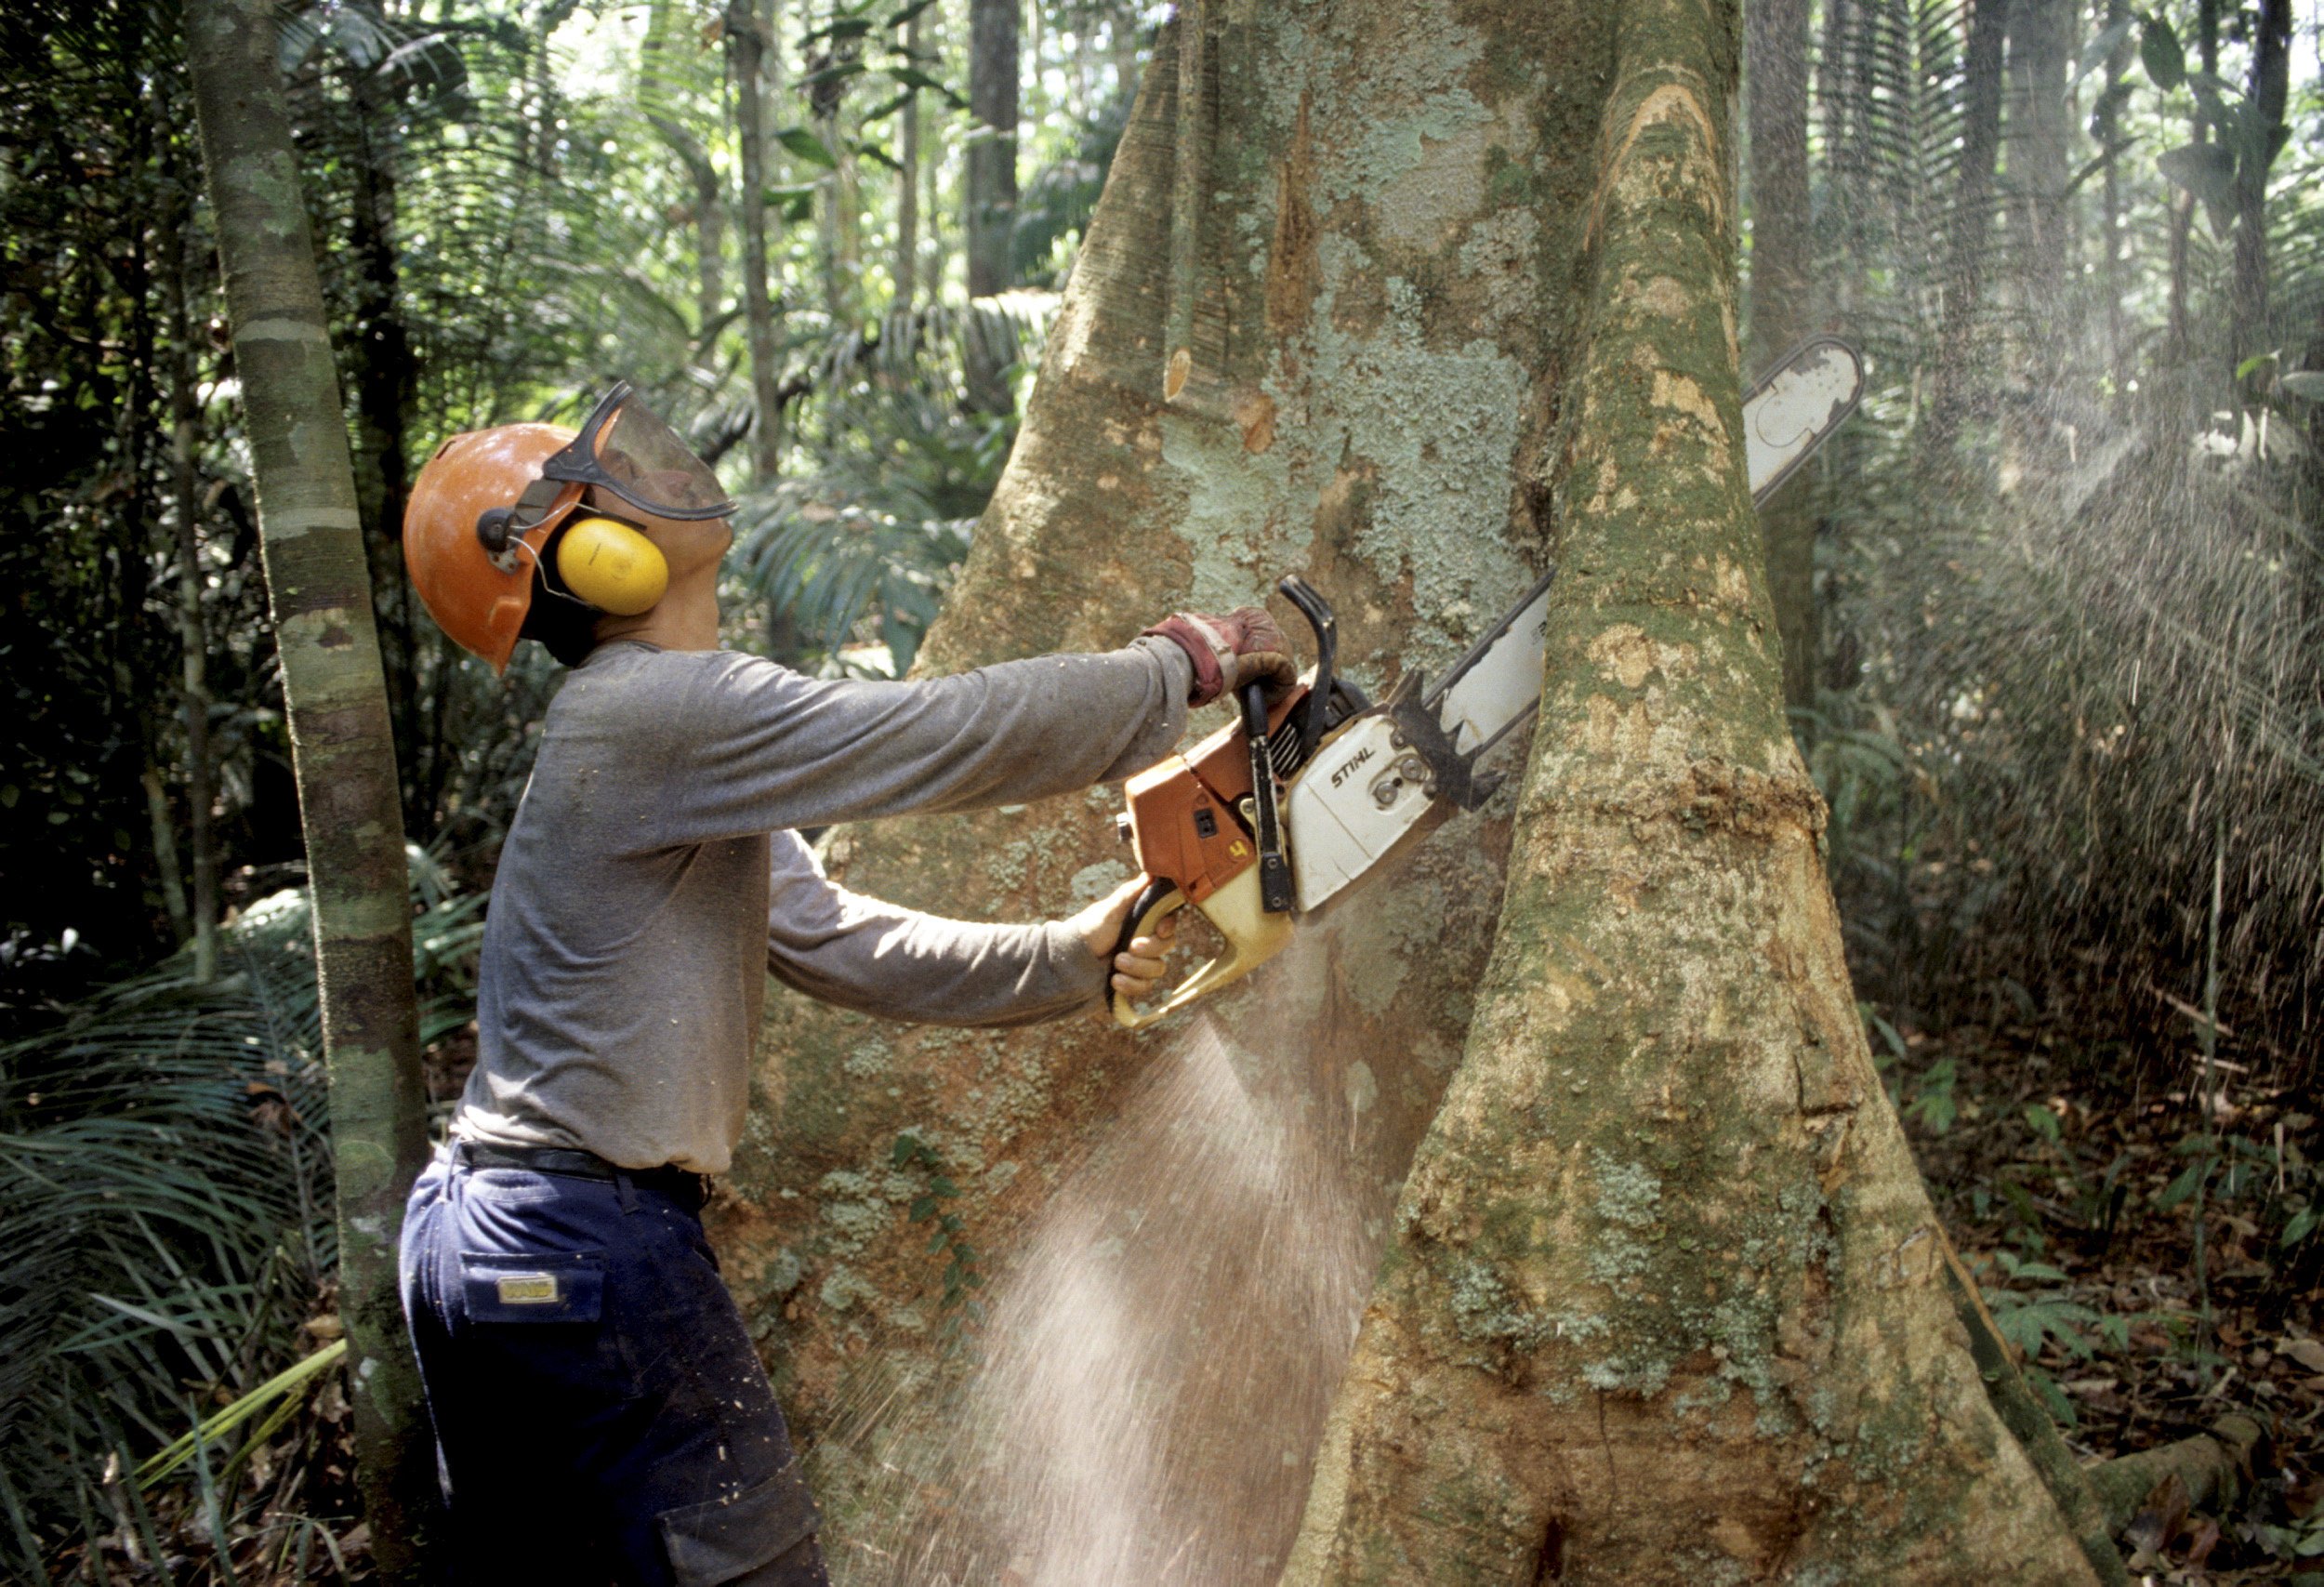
pixel 1253 936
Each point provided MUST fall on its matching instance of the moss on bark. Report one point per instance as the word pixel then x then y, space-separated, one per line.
pixel 319 592
pixel 1665 1298
pixel 1663 1254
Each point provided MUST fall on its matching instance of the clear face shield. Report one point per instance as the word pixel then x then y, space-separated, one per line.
pixel 625 447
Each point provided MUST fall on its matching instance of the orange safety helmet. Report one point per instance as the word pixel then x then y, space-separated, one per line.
pixel 476 595
pixel 484 509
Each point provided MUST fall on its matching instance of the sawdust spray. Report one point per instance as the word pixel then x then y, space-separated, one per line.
pixel 1162 1352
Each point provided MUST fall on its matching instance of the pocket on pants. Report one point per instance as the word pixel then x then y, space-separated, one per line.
pixel 552 1286
pixel 549 1308
pixel 762 1537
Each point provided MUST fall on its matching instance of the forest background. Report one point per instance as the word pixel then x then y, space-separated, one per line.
pixel 2051 603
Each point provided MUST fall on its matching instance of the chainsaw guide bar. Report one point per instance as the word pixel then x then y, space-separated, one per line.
pixel 1359 780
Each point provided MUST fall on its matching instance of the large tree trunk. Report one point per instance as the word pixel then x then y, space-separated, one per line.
pixel 991 188
pixel 1665 1298
pixel 310 538
pixel 1783 263
pixel 1175 1231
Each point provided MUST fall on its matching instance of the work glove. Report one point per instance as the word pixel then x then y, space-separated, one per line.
pixel 1232 652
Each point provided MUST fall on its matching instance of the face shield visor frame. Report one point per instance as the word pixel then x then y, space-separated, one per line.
pixel 625 447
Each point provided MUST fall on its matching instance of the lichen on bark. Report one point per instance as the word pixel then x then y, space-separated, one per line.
pixel 1375 350
pixel 1665 1297
pixel 1662 1254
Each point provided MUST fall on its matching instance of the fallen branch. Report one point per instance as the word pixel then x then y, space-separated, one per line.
pixel 2213 1465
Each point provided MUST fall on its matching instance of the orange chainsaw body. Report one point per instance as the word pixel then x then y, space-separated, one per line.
pixel 1184 814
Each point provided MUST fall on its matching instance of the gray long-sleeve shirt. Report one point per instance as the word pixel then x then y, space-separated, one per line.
pixel 651 880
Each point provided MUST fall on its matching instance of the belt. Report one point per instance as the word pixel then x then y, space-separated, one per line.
pixel 578 1164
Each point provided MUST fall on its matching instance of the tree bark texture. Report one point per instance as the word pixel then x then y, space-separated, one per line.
pixel 1409 208
pixel 990 187
pixel 747 45
pixel 1664 1298
pixel 311 543
pixel 1783 265
pixel 2214 1466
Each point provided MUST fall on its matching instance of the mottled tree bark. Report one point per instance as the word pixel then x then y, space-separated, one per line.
pixel 1665 1298
pixel 310 539
pixel 1410 209
pixel 1783 261
pixel 991 189
pixel 1372 366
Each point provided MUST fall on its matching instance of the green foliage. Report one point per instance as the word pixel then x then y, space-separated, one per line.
pixel 166 1208
pixel 946 1235
pixel 860 547
pixel 1932 1104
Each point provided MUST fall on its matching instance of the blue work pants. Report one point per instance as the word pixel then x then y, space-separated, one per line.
pixel 600 1415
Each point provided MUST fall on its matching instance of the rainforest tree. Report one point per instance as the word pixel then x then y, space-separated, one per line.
pixel 320 594
pixel 1445 319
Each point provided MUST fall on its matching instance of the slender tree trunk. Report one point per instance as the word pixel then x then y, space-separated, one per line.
pixel 193 645
pixel 1959 344
pixel 2040 135
pixel 2181 334
pixel 2266 92
pixel 709 218
pixel 746 49
pixel 991 208
pixel 385 377
pixel 907 182
pixel 167 873
pixel 1664 1298
pixel 933 259
pixel 311 543
pixel 1782 268
pixel 2107 126
pixel 1387 385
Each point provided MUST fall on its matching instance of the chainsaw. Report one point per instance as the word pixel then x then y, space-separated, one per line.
pixel 1274 816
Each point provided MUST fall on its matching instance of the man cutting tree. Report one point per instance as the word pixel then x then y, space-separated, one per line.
pixel 599 1408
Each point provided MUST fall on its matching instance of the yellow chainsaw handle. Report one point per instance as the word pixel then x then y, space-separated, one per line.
pixel 1253 936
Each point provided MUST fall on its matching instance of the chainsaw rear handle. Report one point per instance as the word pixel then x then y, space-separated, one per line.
pixel 1253 936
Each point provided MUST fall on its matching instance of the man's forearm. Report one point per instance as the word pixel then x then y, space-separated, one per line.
pixel 881 960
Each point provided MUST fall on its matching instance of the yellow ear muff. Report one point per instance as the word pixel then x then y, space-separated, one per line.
pixel 612 566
